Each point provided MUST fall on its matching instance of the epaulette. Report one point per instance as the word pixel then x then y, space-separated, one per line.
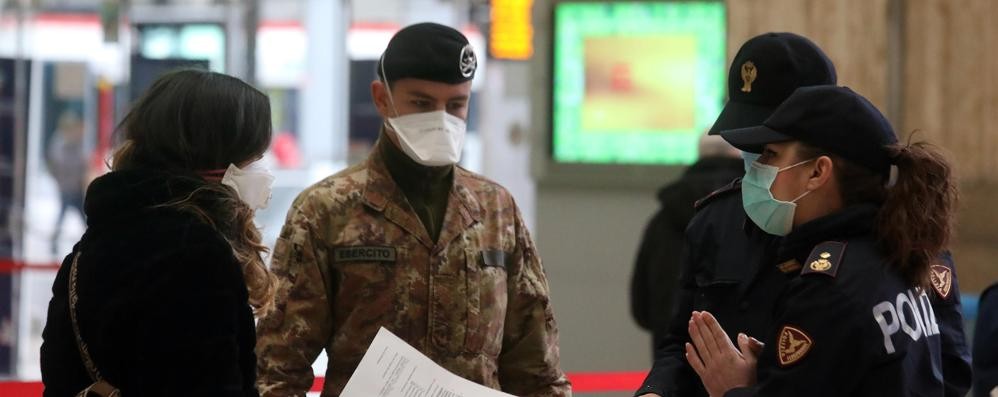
pixel 733 186
pixel 825 259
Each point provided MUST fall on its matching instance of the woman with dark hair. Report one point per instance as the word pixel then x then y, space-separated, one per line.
pixel 866 221
pixel 158 296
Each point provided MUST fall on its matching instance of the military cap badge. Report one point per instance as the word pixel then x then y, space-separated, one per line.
pixel 469 62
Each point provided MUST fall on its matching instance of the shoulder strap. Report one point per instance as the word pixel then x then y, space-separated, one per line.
pixel 100 387
pixel 825 259
pixel 732 187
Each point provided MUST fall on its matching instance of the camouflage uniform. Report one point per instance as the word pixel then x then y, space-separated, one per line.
pixel 353 257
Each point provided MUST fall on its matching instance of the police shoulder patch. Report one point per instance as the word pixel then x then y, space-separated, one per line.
pixel 942 280
pixel 793 344
pixel 734 186
pixel 825 258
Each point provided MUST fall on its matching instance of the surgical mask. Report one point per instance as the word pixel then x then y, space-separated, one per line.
pixel 773 216
pixel 432 138
pixel 252 184
pixel 749 158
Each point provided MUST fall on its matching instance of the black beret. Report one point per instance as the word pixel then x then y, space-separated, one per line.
pixel 428 51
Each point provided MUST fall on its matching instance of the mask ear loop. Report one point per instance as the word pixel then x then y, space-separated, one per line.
pixel 384 79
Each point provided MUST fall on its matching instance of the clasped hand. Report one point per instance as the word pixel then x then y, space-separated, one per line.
pixel 720 365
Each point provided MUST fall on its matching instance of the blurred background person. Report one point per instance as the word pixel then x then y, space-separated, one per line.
pixel 656 268
pixel 68 164
pixel 153 300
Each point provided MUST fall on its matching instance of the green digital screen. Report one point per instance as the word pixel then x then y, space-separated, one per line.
pixel 636 82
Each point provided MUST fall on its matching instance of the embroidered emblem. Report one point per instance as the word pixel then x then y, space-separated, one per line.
pixel 748 76
pixel 942 280
pixel 793 345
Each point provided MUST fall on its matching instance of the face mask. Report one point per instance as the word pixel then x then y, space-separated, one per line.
pixel 773 216
pixel 252 184
pixel 749 158
pixel 432 138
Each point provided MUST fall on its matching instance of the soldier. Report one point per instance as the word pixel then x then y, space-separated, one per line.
pixel 866 220
pixel 408 241
pixel 729 265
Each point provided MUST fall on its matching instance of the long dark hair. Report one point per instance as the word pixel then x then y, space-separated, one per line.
pixel 915 221
pixel 191 121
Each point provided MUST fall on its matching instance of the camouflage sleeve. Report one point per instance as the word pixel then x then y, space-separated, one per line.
pixel 290 337
pixel 529 365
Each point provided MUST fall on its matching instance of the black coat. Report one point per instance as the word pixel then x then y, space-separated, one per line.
pixel 732 269
pixel 162 300
pixel 656 269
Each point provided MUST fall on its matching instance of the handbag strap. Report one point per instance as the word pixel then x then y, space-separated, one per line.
pixel 100 387
pixel 73 300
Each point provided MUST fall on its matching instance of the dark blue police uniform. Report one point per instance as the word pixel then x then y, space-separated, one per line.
pixel 986 344
pixel 847 325
pixel 733 270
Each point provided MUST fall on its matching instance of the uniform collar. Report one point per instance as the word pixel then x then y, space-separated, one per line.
pixel 849 222
pixel 382 193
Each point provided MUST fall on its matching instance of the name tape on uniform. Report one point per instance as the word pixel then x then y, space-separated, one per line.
pixel 365 254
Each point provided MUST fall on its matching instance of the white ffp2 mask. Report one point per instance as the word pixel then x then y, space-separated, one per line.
pixel 252 184
pixel 431 138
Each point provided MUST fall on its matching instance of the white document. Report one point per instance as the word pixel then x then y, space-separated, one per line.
pixel 392 368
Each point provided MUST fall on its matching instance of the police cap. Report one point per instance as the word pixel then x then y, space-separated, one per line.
pixel 428 51
pixel 766 70
pixel 828 117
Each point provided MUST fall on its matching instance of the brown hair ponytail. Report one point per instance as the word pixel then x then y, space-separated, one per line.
pixel 916 220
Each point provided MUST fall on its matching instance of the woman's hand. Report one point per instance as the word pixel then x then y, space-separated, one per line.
pixel 720 365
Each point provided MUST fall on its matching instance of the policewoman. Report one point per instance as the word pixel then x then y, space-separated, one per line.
pixel 730 266
pixel 409 241
pixel 866 220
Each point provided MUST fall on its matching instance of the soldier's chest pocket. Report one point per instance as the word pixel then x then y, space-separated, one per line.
pixel 365 271
pixel 713 294
pixel 480 306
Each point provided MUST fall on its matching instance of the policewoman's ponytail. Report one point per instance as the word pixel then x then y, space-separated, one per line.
pixel 915 223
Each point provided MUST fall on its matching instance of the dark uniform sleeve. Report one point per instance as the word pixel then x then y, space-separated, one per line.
pixel 986 344
pixel 955 353
pixel 641 296
pixel 820 345
pixel 529 364
pixel 656 273
pixel 671 374
pixel 290 337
